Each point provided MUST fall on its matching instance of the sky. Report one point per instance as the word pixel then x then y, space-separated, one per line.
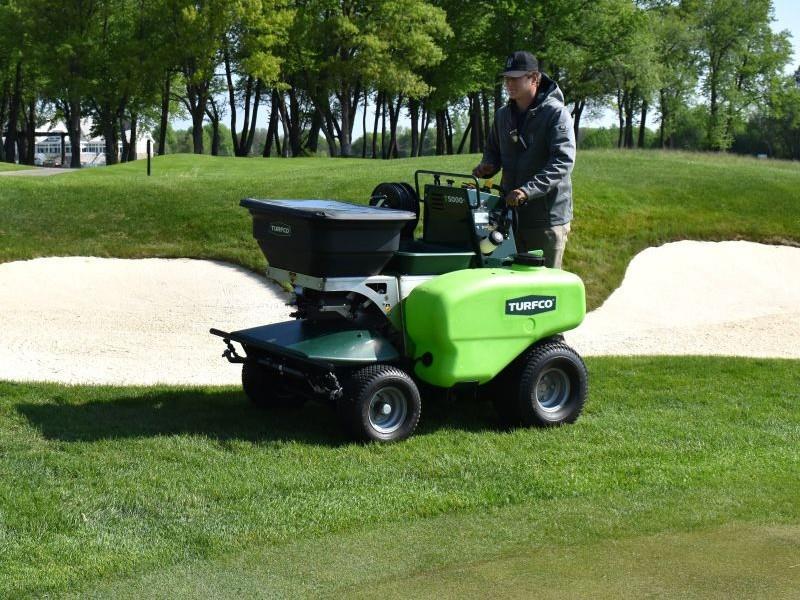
pixel 787 16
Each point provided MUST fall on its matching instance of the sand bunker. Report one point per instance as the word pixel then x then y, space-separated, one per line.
pixel 99 320
pixel 724 298
pixel 113 321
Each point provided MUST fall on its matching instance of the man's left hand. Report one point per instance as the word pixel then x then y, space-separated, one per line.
pixel 516 197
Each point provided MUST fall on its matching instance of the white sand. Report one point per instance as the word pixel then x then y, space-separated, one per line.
pixel 92 320
pixel 725 298
pixel 98 320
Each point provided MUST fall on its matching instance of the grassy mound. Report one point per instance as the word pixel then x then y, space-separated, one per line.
pixel 624 202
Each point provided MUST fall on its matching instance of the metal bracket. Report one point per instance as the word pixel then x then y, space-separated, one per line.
pixel 360 285
pixel 230 353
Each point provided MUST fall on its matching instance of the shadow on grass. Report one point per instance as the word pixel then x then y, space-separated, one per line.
pixel 225 415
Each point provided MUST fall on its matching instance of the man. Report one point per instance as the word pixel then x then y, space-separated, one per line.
pixel 532 140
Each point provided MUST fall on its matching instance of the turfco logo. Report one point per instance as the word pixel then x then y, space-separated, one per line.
pixel 530 305
pixel 280 229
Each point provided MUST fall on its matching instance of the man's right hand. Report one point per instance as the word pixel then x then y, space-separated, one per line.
pixel 483 170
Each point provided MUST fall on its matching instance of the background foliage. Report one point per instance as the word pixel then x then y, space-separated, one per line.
pixel 703 74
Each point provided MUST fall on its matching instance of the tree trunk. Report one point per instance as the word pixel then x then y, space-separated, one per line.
pixel 13 115
pixel 197 96
pixel 383 128
pixel 213 116
pixel 328 132
pixel 378 105
pixel 663 108
pixel 215 137
pixel 133 142
pixel 474 123
pixel 30 154
pixel 272 125
pixel 426 121
pixel 126 147
pixel 73 117
pixel 464 137
pixel 440 132
pixel 577 111
pixel 312 143
pixel 248 143
pixel 642 124
pixel 364 126
pixel 295 123
pixel 394 114
pixel 109 129
pixel 3 104
pixel 164 123
pixel 629 121
pixel 498 96
pixel 486 120
pixel 226 60
pixel 347 122
pixel 197 132
pixel 413 111
pixel 284 126
pixel 621 115
pixel 449 131
pixel 278 147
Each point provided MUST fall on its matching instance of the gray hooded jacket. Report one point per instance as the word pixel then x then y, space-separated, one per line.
pixel 542 169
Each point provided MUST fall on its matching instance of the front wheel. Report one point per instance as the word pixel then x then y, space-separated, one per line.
pixel 380 403
pixel 551 387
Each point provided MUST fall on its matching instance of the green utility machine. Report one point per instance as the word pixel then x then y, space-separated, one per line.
pixel 382 315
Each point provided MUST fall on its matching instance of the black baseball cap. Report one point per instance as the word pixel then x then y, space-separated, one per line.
pixel 520 63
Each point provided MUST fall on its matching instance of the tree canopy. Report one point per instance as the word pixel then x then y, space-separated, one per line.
pixel 709 74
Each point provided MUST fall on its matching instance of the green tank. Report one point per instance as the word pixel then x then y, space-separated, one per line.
pixel 466 326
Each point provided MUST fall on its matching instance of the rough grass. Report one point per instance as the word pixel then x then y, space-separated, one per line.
pixel 117 491
pixel 4 166
pixel 624 202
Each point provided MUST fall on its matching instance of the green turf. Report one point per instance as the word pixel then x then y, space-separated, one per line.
pixel 167 491
pixel 624 202
pixel 188 492
pixel 4 166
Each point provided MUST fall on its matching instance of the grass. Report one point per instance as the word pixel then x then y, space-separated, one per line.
pixel 4 166
pixel 679 480
pixel 625 202
pixel 183 490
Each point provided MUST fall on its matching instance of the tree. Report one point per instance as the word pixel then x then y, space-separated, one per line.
pixel 677 41
pixel 252 63
pixel 197 28
pixel 71 30
pixel 736 45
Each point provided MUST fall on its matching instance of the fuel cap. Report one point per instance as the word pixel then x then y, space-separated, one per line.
pixel 529 259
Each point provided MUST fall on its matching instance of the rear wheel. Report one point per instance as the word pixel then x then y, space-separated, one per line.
pixel 380 403
pixel 266 389
pixel 546 387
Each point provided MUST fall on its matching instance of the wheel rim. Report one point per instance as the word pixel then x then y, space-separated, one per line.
pixel 387 410
pixel 552 390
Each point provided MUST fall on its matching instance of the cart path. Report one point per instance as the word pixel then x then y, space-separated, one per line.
pixel 36 172
pixel 115 321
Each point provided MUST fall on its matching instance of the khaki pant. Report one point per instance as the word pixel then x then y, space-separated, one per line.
pixel 552 240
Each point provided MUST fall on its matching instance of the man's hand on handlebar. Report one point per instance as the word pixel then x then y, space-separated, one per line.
pixel 516 197
pixel 484 170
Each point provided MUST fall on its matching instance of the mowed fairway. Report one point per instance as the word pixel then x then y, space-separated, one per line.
pixel 191 492
pixel 681 478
